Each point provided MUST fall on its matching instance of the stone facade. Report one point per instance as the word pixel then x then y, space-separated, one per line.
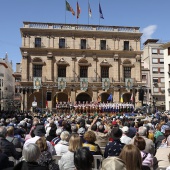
pixel 74 52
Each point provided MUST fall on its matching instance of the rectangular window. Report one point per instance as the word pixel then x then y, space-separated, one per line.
pixel 143 77
pixel 127 72
pixel 168 50
pixel 161 60
pixel 37 70
pixel 155 90
pixel 161 51
pixel 61 71
pixel 83 43
pixel 154 51
pixel 37 42
pixel 154 61
pixel 83 71
pixel 162 80
pixel 104 72
pixel 155 70
pixel 103 44
pixel 126 45
pixel 161 70
pixel 62 43
pixel 155 80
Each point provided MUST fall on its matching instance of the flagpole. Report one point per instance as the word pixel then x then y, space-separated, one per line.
pixel 77 11
pixel 88 12
pixel 99 13
pixel 65 11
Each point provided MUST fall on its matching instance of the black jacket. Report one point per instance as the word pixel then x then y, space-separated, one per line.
pixel 28 166
pixel 8 148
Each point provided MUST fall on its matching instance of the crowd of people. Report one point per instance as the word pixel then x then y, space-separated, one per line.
pixel 29 141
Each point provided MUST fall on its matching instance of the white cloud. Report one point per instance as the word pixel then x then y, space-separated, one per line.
pixel 148 31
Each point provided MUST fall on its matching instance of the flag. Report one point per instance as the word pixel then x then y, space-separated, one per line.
pixel 46 104
pixel 90 12
pixel 78 10
pixel 56 99
pixel 121 99
pixel 131 99
pixel 100 11
pixel 69 8
pixel 110 97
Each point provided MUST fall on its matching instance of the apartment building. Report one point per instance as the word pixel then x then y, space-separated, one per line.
pixel 153 61
pixel 74 62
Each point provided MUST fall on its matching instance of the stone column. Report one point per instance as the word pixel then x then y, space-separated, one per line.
pixel 138 68
pixel 49 73
pixel 73 96
pixel 116 74
pixel 25 71
pixel 95 95
pixel 116 95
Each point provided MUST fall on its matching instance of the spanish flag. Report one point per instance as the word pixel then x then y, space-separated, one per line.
pixel 121 98
pixel 78 10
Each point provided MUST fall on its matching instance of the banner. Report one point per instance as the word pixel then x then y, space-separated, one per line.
pixel 105 83
pixel 84 84
pixel 128 83
pixel 37 83
pixel 61 83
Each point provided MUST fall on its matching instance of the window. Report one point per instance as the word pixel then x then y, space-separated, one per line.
pixel 155 90
pixel 127 72
pixel 162 80
pixel 154 51
pixel 61 71
pixel 83 43
pixel 62 43
pixel 161 60
pixel 103 44
pixel 155 80
pixel 161 70
pixel 168 50
pixel 126 45
pixel 83 71
pixel 143 77
pixel 154 61
pixel 37 70
pixel 37 42
pixel 155 70
pixel 104 72
pixel 161 51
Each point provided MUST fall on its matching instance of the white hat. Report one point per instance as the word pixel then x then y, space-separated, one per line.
pixel 125 129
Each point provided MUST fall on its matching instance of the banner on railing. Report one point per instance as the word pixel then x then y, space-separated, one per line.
pixel 37 83
pixel 84 84
pixel 105 83
pixel 61 83
pixel 128 83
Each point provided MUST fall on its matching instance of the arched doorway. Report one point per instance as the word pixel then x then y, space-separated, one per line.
pixel 83 97
pixel 104 97
pixel 126 97
pixel 61 97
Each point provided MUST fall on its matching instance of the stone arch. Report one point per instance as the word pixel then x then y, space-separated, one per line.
pixel 83 97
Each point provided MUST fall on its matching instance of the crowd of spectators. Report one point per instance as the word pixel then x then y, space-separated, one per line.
pixel 29 141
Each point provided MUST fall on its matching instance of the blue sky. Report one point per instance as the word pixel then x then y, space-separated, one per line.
pixel 152 16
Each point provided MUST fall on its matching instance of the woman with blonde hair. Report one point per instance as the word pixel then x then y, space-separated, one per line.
pixel 67 160
pixel 131 155
pixel 45 158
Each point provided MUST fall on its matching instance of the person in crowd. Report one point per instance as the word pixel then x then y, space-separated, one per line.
pixel 81 131
pixel 62 146
pixel 90 139
pixel 132 130
pixel 101 138
pixel 74 129
pixel 131 155
pixel 113 163
pixel 114 148
pixel 52 131
pixel 45 158
pixel 150 146
pixel 30 153
pixel 83 159
pixel 147 158
pixel 57 138
pixel 7 147
pixel 10 137
pixel 67 160
pixel 162 154
pixel 4 161
pixel 125 139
